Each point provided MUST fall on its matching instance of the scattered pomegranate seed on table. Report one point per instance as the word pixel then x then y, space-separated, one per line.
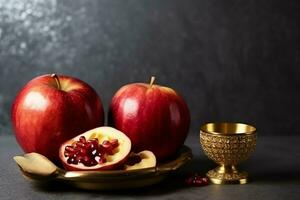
pixel 196 180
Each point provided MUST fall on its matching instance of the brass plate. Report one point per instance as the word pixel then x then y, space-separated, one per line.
pixel 30 166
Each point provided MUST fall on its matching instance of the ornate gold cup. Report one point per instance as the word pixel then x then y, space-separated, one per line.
pixel 227 144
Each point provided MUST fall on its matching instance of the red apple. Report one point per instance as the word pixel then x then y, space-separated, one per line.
pixel 154 117
pixel 51 109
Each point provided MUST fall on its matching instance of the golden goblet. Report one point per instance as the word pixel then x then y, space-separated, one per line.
pixel 227 144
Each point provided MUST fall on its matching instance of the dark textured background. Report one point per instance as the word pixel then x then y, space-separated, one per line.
pixel 231 60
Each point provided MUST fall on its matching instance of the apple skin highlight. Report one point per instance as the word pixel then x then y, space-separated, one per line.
pixel 44 114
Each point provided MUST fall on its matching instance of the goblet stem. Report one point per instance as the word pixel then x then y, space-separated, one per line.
pixel 227 174
pixel 227 169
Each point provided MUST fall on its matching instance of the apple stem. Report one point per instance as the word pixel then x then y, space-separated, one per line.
pixel 152 81
pixel 56 80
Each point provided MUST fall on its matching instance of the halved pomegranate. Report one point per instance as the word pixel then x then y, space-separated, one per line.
pixel 141 160
pixel 102 148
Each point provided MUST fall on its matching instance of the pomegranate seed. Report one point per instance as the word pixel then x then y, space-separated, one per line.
pixel 114 142
pixel 82 139
pixel 97 158
pixel 189 180
pixel 80 144
pixel 82 151
pixel 89 152
pixel 102 160
pixel 79 159
pixel 196 180
pixel 107 147
pixel 132 160
pixel 96 152
pixel 88 145
pixel 205 179
pixel 72 160
pixel 67 154
pixel 106 144
pixel 94 144
pixel 85 160
pixel 101 149
pixel 69 149
pixel 94 162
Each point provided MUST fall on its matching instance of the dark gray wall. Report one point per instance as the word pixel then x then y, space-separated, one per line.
pixel 231 60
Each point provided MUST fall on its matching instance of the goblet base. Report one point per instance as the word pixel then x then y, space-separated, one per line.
pixel 227 175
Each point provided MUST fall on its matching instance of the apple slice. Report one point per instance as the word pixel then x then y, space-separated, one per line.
pixel 102 148
pixel 144 159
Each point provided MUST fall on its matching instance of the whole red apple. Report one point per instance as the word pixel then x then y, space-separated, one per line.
pixel 154 117
pixel 51 109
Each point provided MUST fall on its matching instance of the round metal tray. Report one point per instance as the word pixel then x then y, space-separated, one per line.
pixel 38 168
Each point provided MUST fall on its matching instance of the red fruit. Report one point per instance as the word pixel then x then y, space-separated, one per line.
pixel 51 109
pixel 154 117
pixel 91 154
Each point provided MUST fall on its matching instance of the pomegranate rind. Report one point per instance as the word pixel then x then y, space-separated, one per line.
pixel 101 133
pixel 148 160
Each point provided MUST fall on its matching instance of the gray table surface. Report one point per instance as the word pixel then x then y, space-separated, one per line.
pixel 274 168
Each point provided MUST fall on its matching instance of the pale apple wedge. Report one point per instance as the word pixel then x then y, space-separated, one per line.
pixel 36 164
